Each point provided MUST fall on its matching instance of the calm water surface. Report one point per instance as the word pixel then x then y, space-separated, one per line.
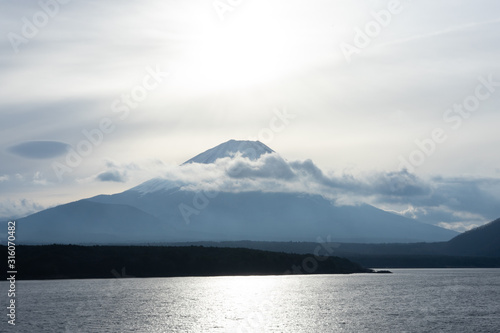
pixel 417 300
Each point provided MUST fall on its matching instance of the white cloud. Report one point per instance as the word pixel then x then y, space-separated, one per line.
pixel 459 226
pixel 432 200
pixel 12 209
pixel 39 179
pixel 411 212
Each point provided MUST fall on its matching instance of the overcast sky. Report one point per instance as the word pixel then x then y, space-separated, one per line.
pixel 99 96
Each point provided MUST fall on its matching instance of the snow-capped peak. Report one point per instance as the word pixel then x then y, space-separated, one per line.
pixel 252 150
pixel 249 149
pixel 155 185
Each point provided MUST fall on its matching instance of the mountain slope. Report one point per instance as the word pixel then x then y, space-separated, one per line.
pixel 481 241
pixel 275 217
pixel 84 222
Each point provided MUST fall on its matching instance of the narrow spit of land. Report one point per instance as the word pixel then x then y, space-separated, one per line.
pixel 82 262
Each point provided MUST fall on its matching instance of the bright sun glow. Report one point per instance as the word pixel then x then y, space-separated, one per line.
pixel 224 58
pixel 242 52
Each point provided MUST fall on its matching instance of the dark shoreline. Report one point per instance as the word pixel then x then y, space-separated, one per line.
pixel 40 262
pixel 37 262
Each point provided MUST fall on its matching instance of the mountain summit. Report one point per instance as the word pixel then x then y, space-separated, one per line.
pixel 252 150
pixel 249 149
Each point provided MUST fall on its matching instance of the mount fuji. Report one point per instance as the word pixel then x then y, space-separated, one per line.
pixel 180 209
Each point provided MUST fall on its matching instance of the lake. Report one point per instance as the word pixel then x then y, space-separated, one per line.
pixel 410 300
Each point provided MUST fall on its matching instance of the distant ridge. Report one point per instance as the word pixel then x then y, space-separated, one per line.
pixel 249 149
pixel 480 241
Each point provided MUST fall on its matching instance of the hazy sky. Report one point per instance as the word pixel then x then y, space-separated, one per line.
pixel 131 88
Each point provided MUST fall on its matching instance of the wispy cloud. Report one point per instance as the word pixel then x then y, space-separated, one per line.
pixel 39 179
pixel 449 30
pixel 39 149
pixel 10 209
